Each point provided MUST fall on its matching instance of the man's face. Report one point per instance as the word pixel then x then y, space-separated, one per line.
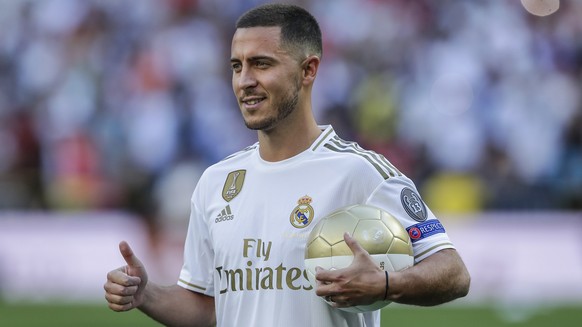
pixel 266 79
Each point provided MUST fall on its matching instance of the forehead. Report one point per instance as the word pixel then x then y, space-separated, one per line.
pixel 256 40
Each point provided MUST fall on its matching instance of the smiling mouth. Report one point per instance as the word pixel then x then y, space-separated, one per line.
pixel 252 102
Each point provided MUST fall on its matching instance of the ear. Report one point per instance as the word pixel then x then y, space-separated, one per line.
pixel 309 69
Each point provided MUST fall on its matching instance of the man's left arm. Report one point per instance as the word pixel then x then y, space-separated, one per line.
pixel 439 278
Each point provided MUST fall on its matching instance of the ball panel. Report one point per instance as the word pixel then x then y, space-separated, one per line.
pixel 341 261
pixel 373 236
pixel 315 231
pixel 335 225
pixel 400 262
pixel 310 265
pixel 383 261
pixel 364 212
pixel 401 247
pixel 318 248
pixel 395 226
pixel 341 249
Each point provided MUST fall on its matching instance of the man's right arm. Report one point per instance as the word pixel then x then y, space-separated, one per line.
pixel 176 306
pixel 127 288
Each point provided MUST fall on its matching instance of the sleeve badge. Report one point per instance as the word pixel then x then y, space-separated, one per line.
pixel 413 204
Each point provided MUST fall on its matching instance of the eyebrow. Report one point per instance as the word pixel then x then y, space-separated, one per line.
pixel 254 58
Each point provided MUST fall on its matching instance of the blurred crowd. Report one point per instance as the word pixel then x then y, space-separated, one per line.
pixel 121 104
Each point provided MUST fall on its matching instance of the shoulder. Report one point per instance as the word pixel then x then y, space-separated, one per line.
pixel 216 174
pixel 351 153
pixel 230 163
pixel 234 159
pixel 240 154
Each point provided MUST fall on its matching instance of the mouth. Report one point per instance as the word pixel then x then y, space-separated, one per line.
pixel 252 101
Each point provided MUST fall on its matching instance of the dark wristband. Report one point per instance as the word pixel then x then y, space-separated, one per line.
pixel 386 291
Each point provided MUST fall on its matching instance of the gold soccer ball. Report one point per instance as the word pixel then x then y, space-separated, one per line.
pixel 377 231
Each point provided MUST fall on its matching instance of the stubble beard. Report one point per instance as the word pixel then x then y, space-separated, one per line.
pixel 284 109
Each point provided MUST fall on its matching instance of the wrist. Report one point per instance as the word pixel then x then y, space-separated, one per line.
pixel 387 285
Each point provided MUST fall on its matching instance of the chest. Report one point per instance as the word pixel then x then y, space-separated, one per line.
pixel 262 216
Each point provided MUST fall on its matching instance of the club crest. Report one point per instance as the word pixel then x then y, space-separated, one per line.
pixel 233 184
pixel 302 214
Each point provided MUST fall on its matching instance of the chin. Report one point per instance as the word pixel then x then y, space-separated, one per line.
pixel 260 125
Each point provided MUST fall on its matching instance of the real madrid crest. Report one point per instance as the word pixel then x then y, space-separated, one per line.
pixel 302 214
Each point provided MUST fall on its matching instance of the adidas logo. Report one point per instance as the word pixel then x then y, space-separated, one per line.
pixel 224 215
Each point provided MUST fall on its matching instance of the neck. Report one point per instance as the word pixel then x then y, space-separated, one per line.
pixel 287 140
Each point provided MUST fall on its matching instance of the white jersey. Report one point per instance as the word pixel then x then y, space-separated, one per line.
pixel 245 243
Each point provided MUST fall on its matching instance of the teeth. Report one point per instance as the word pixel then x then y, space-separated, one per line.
pixel 252 102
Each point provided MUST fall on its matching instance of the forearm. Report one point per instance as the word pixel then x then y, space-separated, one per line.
pixel 438 279
pixel 176 306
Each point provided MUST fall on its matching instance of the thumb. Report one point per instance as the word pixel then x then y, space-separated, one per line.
pixel 128 255
pixel 354 245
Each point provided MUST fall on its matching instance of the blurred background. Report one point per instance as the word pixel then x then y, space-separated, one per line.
pixel 111 109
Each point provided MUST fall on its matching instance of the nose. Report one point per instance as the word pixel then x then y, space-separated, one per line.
pixel 246 78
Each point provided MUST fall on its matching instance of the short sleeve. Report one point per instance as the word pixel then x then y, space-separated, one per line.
pixel 399 197
pixel 197 273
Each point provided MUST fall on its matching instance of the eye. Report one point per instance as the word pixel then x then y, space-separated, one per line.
pixel 236 67
pixel 261 64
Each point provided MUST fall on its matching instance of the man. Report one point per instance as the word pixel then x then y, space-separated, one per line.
pixel 243 258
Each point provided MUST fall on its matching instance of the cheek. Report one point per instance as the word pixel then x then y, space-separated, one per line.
pixel 234 84
pixel 282 84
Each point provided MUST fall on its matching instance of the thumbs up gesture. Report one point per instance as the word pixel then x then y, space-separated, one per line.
pixel 124 289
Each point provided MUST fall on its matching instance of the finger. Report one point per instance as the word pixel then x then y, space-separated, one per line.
pixel 118 276
pixel 119 307
pixel 338 304
pixel 337 301
pixel 324 283
pixel 128 255
pixel 118 289
pixel 323 276
pixel 117 299
pixel 323 289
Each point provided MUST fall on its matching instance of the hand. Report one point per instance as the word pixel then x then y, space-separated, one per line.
pixel 124 289
pixel 361 283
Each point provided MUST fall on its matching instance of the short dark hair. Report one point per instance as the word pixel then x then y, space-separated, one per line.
pixel 299 29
